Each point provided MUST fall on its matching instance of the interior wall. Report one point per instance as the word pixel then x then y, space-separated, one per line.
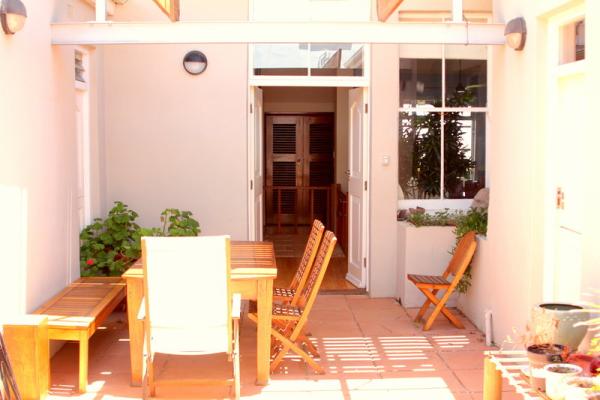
pixel 173 140
pixel 299 99
pixel 38 162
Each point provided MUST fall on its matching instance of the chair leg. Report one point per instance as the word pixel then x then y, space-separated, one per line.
pixel 309 345
pixel 424 307
pixel 440 307
pixel 289 345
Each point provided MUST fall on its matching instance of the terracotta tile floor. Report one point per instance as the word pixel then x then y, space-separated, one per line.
pixel 370 349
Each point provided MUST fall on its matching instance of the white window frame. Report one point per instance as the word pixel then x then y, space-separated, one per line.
pixel 442 203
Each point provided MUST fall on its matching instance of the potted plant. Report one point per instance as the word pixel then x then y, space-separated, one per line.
pixel 541 350
pixel 110 246
pixel 556 376
pixel 566 330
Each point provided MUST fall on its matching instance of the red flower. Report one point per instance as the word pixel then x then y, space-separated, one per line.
pixel 90 261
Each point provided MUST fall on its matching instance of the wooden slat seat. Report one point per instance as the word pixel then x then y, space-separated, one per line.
pixel 282 311
pixel 283 292
pixel 76 312
pixel 429 280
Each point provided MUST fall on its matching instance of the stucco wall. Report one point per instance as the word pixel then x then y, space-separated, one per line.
pixel 38 163
pixel 383 179
pixel 177 140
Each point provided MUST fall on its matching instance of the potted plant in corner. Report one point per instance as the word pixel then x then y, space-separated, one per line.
pixel 541 349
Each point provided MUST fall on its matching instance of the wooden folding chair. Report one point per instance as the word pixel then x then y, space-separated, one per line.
pixel 431 285
pixel 291 294
pixel 188 307
pixel 289 320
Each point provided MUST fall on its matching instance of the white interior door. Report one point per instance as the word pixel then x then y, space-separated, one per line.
pixel 358 210
pixel 256 167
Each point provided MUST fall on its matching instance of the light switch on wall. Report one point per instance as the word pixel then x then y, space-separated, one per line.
pixel 386 160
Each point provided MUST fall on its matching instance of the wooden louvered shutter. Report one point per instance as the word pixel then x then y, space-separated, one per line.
pixel 284 169
pixel 319 162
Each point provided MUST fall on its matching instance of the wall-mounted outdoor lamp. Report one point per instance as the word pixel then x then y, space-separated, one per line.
pixel 195 62
pixel 12 16
pixel 516 33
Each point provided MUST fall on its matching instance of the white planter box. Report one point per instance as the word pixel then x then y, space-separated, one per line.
pixel 425 251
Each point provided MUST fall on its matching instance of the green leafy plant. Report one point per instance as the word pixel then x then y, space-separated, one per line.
pixel 439 218
pixel 475 219
pixel 109 246
pixel 419 151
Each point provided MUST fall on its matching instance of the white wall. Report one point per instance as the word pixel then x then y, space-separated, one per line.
pixel 177 140
pixel 38 163
pixel 383 180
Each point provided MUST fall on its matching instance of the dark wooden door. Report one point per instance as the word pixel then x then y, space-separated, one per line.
pixel 299 167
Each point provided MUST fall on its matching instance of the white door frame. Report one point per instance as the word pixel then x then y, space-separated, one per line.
pixel 366 157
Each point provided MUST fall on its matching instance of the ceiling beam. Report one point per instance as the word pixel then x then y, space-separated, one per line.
pixel 92 33
pixel 385 8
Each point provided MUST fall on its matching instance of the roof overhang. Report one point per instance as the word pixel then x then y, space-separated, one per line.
pixel 99 33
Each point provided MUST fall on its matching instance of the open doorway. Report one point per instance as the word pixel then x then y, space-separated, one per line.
pixel 305 159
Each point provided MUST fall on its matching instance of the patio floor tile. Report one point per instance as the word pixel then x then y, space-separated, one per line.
pixel 369 348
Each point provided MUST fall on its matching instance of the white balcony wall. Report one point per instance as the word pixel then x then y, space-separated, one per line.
pixel 38 161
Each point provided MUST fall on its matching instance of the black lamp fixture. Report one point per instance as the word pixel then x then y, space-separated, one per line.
pixel 516 33
pixel 12 16
pixel 195 62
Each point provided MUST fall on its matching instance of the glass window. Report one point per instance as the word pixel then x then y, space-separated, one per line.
pixel 281 59
pixel 464 154
pixel 336 59
pixel 420 82
pixel 443 139
pixel 419 155
pixel 466 83
pixel 572 42
pixel 303 59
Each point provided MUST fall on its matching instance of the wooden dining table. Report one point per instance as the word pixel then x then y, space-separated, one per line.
pixel 253 270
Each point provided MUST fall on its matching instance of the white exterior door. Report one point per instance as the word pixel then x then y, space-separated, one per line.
pixel 256 167
pixel 567 126
pixel 569 130
pixel 358 210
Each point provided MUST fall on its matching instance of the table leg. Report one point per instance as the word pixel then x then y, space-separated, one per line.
pixel 135 291
pixel 83 361
pixel 492 381
pixel 263 333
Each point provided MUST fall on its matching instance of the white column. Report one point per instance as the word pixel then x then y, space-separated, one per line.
pixel 101 10
pixel 457 10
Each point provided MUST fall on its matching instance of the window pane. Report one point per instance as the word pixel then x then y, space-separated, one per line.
pixel 336 59
pixel 420 82
pixel 281 59
pixel 419 155
pixel 572 42
pixel 466 83
pixel 464 154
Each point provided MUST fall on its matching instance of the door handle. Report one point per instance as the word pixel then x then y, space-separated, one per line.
pixel 347 172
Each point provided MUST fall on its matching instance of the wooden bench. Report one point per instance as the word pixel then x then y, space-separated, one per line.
pixel 77 311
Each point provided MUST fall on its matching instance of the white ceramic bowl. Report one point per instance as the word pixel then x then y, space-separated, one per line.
pixel 556 380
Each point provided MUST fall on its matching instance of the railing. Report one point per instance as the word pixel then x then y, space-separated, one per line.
pixel 304 205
